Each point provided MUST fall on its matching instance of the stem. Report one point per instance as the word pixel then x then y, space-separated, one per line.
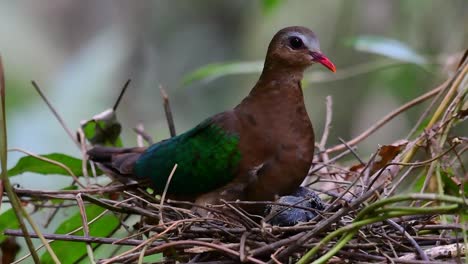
pixel 461 74
pixel 14 201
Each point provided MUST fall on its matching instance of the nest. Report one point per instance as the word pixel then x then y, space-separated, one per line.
pixel 369 215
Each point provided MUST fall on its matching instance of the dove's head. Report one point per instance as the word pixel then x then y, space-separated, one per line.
pixel 296 47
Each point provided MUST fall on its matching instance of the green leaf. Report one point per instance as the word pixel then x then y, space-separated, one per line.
pixel 212 71
pixel 450 186
pixel 103 129
pixel 70 252
pixel 8 220
pixel 387 47
pixel 32 164
pixel 269 5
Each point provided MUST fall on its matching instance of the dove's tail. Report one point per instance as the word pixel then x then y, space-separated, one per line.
pixel 117 162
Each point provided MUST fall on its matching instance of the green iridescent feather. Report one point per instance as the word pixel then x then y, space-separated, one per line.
pixel 206 158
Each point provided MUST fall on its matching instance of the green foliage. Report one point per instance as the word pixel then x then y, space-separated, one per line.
pixel 206 157
pixel 70 252
pixel 103 129
pixel 450 186
pixel 270 5
pixel 387 47
pixel 213 71
pixel 32 164
pixel 8 220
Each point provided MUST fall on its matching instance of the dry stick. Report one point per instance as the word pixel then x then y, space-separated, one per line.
pixel 455 82
pixel 59 164
pixel 447 251
pixel 84 220
pixel 139 130
pixel 353 151
pixel 241 214
pixel 102 190
pixel 388 117
pixel 328 119
pixel 74 238
pixel 299 239
pixel 413 242
pixel 231 252
pixel 400 180
pixel 19 210
pixel 325 164
pixel 167 110
pixel 427 111
pixel 4 180
pixel 84 155
pixel 140 138
pixel 45 236
pixel 56 114
pixel 122 92
pixel 321 146
pixel 163 196
pixel 242 255
pixel 318 77
pixel 146 242
pixel 366 168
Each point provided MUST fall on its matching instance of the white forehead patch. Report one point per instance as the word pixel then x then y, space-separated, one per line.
pixel 309 41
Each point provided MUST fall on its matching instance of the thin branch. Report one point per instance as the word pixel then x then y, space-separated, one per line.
pixel 122 92
pixel 168 111
pixel 5 181
pixel 141 132
pixel 389 117
pixel 84 221
pixel 163 196
pixel 328 119
pixel 59 164
pixel 56 114
pixel 413 242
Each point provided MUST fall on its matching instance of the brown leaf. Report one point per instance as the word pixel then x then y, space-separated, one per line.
pixel 387 153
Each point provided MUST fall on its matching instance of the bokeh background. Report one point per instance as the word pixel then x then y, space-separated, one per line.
pixel 81 52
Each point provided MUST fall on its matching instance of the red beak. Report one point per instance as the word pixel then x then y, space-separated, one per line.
pixel 320 58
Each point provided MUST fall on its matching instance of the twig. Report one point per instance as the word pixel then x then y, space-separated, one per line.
pixel 84 156
pixel 354 70
pixel 140 137
pixel 122 92
pixel 167 110
pixel 299 240
pixel 353 151
pixel 5 181
pixel 84 220
pixel 389 117
pixel 328 119
pixel 418 249
pixel 453 83
pixel 141 132
pixel 163 196
pixel 221 248
pixel 242 252
pixel 447 251
pixel 59 164
pixel 74 238
pixel 56 114
pixel 102 190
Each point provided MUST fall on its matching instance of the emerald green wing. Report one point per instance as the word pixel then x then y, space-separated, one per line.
pixel 206 158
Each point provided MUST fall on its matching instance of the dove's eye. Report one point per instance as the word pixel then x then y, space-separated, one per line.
pixel 296 42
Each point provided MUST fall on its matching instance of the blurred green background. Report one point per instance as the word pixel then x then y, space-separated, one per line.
pixel 81 53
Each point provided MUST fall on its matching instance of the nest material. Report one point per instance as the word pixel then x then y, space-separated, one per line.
pixel 367 215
